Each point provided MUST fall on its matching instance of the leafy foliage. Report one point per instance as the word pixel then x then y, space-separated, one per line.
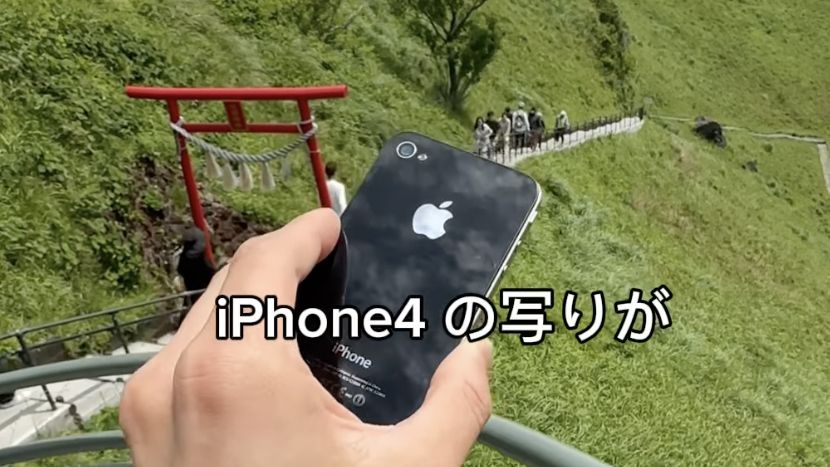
pixel 58 148
pixel 612 43
pixel 105 421
pixel 461 45
pixel 314 17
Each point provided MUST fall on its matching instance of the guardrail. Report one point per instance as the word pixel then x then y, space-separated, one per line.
pixel 544 144
pixel 509 438
pixel 26 352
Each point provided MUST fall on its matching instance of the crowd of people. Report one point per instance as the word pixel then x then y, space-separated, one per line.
pixel 515 129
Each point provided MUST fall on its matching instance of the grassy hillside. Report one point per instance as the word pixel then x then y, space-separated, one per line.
pixel 739 379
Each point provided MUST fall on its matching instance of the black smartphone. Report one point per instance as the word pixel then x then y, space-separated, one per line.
pixel 429 221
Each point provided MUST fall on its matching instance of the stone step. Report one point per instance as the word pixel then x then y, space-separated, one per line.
pixel 30 416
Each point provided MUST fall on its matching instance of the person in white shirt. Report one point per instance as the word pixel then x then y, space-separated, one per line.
pixel 503 136
pixel 562 126
pixel 481 135
pixel 337 191
pixel 520 126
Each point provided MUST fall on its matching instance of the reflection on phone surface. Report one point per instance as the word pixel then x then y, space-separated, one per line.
pixel 434 228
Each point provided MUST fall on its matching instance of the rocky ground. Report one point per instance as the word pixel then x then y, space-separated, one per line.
pixel 161 226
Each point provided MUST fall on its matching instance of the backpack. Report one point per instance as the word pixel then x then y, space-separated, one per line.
pixel 537 123
pixel 518 123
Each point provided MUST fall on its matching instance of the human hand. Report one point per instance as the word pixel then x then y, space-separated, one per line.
pixel 201 402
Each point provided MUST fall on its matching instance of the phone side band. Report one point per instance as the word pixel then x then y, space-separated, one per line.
pixel 531 216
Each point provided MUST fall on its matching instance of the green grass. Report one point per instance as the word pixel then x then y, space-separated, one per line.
pixel 106 420
pixel 740 378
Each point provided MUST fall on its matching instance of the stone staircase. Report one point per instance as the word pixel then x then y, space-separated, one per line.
pixel 30 416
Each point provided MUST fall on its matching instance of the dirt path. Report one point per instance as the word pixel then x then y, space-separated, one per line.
pixel 821 143
pixel 825 163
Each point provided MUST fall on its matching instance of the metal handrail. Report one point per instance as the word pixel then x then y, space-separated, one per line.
pixel 94 367
pixel 511 439
pixel 96 314
pixel 89 442
pixel 25 349
pixel 512 152
pixel 103 329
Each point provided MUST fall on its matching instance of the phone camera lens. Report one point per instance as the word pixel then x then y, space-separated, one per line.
pixel 406 150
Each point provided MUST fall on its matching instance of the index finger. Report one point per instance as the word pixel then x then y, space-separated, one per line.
pixel 273 265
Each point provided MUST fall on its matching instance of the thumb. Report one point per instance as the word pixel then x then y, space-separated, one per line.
pixel 457 405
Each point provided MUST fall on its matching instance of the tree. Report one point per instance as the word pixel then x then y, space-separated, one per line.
pixel 314 17
pixel 612 47
pixel 460 45
pixel 317 18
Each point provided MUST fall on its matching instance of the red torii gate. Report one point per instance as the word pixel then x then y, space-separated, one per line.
pixel 232 99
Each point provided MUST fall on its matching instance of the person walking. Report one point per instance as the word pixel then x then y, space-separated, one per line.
pixel 337 190
pixel 193 267
pixel 482 133
pixel 537 129
pixel 561 127
pixel 503 136
pixel 520 126
pixel 494 125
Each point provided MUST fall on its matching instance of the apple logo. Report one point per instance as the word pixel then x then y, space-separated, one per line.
pixel 429 220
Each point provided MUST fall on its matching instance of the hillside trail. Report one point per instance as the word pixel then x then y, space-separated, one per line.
pixel 576 138
pixel 821 143
pixel 825 163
